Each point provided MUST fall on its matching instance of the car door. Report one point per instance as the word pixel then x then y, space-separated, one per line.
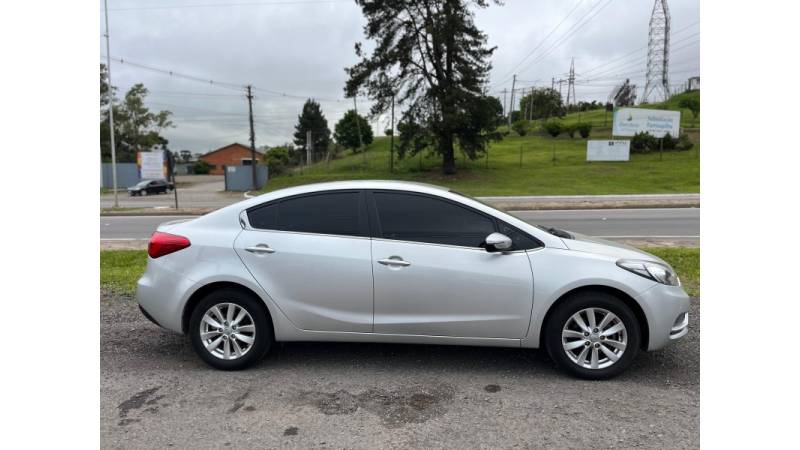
pixel 432 277
pixel 311 253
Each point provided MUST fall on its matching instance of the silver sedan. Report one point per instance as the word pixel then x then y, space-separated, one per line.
pixel 381 261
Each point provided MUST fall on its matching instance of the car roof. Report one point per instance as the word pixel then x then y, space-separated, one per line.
pixel 355 184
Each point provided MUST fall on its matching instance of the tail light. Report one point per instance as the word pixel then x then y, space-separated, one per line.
pixel 164 243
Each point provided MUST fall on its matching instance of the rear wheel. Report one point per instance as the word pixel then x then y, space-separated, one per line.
pixel 593 335
pixel 230 329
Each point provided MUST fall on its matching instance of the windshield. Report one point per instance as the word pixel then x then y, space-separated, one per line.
pixel 142 183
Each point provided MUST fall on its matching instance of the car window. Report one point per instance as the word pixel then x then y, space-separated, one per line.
pixel 520 239
pixel 328 213
pixel 420 218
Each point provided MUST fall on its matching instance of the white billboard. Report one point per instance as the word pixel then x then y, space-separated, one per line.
pixel 608 150
pixel 151 165
pixel 657 122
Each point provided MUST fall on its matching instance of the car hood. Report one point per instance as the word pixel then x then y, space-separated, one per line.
pixel 589 244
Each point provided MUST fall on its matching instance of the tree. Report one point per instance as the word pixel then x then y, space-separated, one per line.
pixel 347 129
pixel 543 103
pixel 136 128
pixel 553 128
pixel 521 127
pixel 311 119
pixel 432 57
pixel 692 104
pixel 278 159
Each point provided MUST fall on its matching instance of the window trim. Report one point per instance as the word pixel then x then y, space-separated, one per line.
pixel 363 221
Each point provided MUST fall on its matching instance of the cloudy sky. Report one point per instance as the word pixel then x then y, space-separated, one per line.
pixel 293 49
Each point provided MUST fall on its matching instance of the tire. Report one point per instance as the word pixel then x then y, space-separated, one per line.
pixel 143 193
pixel 262 336
pixel 562 320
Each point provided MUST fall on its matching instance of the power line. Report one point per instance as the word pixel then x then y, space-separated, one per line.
pixel 572 31
pixel 510 72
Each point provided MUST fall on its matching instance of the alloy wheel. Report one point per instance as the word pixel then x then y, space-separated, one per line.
pixel 594 338
pixel 227 331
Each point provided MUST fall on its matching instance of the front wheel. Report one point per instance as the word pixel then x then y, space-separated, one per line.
pixel 593 335
pixel 143 193
pixel 230 329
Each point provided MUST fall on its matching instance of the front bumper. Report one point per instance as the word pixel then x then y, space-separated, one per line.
pixel 667 311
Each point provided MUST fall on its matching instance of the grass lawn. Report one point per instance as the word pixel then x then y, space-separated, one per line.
pixel 120 269
pixel 502 173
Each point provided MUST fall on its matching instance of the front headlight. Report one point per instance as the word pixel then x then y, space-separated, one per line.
pixel 651 270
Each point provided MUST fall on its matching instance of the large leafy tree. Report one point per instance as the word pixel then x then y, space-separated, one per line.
pixel 432 57
pixel 347 130
pixel 311 119
pixel 542 103
pixel 136 128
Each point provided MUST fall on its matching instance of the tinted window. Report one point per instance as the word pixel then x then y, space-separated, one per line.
pixel 331 213
pixel 520 239
pixel 409 217
pixel 264 217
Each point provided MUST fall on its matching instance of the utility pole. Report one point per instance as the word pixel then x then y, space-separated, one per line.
pixel 111 111
pixel 504 101
pixel 309 146
pixel 571 84
pixel 530 104
pixel 511 106
pixel 391 141
pixel 252 136
pixel 358 128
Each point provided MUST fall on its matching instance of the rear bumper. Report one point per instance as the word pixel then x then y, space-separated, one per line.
pixel 667 310
pixel 159 293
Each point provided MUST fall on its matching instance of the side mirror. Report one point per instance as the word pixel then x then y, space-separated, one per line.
pixel 498 242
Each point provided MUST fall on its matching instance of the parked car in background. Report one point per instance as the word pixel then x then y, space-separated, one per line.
pixel 384 261
pixel 149 187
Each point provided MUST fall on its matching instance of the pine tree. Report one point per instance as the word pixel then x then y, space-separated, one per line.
pixel 312 119
pixel 430 54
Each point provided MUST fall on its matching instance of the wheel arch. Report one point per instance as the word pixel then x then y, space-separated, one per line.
pixel 206 289
pixel 629 301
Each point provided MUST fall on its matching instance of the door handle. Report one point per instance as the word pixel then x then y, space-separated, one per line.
pixel 394 261
pixel 260 248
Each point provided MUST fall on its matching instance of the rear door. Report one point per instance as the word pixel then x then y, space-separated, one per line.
pixel 432 277
pixel 311 253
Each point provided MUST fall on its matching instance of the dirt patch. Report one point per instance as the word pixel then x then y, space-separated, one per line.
pixel 395 408
pixel 491 388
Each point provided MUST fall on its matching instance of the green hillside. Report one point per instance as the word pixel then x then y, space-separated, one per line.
pixel 537 174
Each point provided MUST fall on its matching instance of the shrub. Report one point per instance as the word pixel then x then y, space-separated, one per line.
pixel 521 127
pixel 669 142
pixel 277 160
pixel 201 167
pixel 553 128
pixel 570 130
pixel 643 142
pixel 585 129
pixel 684 143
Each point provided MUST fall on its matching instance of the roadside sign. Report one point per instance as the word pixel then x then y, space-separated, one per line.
pixel 657 122
pixel 151 165
pixel 608 150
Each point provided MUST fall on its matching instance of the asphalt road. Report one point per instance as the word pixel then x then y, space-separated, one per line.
pixel 621 224
pixel 155 393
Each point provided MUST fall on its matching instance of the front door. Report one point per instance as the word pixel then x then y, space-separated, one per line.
pixel 312 255
pixel 433 278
